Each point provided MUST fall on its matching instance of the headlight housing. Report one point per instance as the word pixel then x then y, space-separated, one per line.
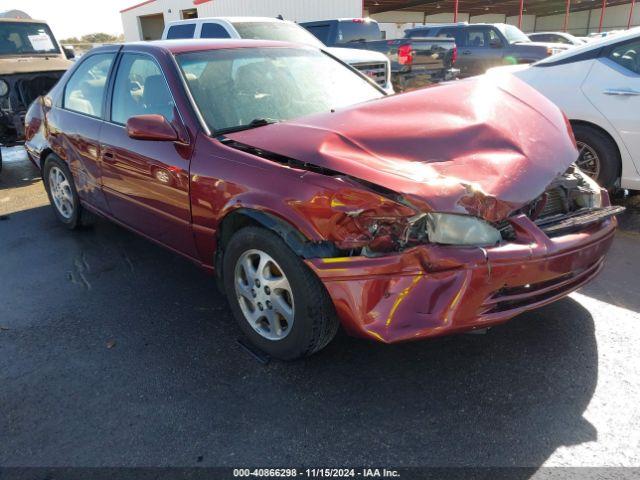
pixel 4 88
pixel 592 198
pixel 451 229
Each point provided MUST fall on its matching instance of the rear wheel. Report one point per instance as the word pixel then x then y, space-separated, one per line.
pixel 599 157
pixel 279 304
pixel 62 193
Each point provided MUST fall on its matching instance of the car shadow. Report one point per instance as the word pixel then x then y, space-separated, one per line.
pixel 17 171
pixel 131 357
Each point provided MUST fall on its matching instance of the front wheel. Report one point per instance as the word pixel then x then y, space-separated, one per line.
pixel 279 304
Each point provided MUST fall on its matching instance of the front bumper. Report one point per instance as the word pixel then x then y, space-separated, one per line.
pixel 434 290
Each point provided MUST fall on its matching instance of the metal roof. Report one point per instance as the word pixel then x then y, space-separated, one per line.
pixel 481 7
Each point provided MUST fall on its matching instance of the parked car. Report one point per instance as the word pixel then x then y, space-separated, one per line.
pixel 374 65
pixel 555 37
pixel 482 46
pixel 598 87
pixel 31 62
pixel 414 63
pixel 316 197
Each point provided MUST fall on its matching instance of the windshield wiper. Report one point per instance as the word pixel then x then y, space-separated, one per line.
pixel 255 123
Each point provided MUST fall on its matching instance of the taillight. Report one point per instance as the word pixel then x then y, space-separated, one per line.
pixel 454 55
pixel 405 55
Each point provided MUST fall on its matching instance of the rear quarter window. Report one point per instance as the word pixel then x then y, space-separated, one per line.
pixel 321 32
pixel 181 31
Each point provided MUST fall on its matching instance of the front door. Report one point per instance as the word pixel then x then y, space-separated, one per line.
pixel 146 183
pixel 613 86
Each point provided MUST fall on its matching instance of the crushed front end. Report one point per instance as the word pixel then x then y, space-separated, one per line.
pixel 406 285
pixel 17 92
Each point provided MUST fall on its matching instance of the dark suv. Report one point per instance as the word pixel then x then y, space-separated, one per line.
pixel 482 46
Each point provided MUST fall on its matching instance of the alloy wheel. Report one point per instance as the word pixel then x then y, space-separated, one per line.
pixel 61 192
pixel 264 294
pixel 588 160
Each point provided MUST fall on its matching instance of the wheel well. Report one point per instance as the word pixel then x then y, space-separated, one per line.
pixel 294 239
pixel 43 156
pixel 604 132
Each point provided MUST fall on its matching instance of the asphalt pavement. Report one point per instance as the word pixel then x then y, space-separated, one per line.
pixel 115 352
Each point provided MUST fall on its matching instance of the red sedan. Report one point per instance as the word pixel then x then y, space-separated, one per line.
pixel 318 200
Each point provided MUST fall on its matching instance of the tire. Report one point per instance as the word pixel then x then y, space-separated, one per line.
pixel 314 322
pixel 74 216
pixel 593 143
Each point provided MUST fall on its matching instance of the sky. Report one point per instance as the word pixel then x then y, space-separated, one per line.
pixel 74 18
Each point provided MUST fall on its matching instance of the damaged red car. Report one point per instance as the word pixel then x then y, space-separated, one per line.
pixel 316 199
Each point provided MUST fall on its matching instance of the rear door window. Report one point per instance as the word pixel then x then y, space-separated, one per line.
pixel 85 90
pixel 213 30
pixel 477 38
pixel 181 31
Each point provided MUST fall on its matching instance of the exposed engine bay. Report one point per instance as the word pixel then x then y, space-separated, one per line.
pixel 23 89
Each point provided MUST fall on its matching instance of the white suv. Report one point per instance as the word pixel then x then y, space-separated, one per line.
pixel 374 65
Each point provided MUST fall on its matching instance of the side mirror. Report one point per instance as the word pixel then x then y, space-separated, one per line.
pixel 152 128
pixel 69 52
pixel 495 43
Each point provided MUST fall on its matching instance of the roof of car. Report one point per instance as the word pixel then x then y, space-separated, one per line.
pixel 198 45
pixel 593 45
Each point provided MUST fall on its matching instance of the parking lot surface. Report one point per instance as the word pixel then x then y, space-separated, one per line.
pixel 115 352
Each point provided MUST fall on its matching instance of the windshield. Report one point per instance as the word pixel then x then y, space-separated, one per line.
pixel 280 31
pixel 235 87
pixel 513 34
pixel 25 38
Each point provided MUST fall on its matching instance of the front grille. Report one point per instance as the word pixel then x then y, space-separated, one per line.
pixel 555 203
pixel 376 71
pixel 35 87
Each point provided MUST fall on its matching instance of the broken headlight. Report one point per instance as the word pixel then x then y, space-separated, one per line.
pixel 591 196
pixel 451 229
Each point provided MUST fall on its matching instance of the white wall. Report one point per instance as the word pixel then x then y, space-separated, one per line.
pixel 296 10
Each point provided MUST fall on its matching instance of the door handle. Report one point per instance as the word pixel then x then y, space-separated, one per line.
pixel 467 52
pixel 623 92
pixel 108 157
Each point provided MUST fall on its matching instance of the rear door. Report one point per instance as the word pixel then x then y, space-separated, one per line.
pixel 76 123
pixel 146 183
pixel 478 50
pixel 613 86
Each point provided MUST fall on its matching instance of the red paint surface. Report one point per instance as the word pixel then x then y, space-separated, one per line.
pixel 476 147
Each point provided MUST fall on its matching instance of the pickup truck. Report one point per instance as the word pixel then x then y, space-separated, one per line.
pixel 373 65
pixel 483 46
pixel 414 63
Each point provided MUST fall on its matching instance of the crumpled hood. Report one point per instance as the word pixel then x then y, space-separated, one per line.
pixel 485 146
